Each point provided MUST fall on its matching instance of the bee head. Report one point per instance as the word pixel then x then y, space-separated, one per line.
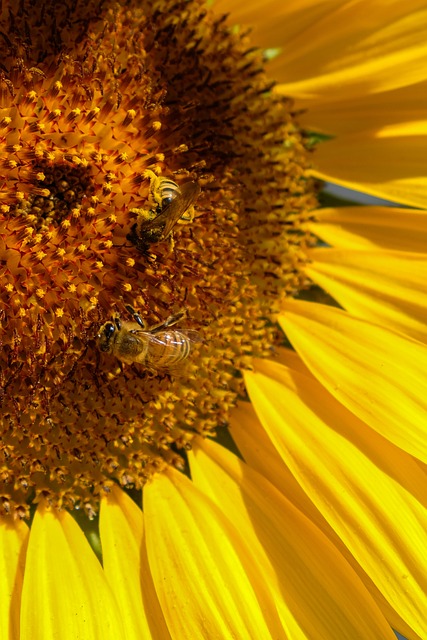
pixel 105 335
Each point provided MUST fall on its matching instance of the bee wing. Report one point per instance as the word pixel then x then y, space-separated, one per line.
pixel 173 341
pixel 193 335
pixel 159 338
pixel 172 212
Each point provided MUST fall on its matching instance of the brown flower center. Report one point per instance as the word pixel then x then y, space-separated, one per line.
pixel 95 102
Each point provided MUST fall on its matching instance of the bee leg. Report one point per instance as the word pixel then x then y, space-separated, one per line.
pixel 136 316
pixel 139 374
pixel 154 187
pixel 176 317
pixel 116 320
pixel 150 175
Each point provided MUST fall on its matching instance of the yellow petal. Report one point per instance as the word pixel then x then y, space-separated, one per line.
pixel 330 48
pixel 366 112
pixel 276 23
pixel 390 163
pixel 121 529
pixel 363 485
pixel 65 593
pixel 345 55
pixel 372 227
pixel 258 451
pixel 202 585
pixel 290 358
pixel 13 544
pixel 385 287
pixel 153 611
pixel 377 374
pixel 318 594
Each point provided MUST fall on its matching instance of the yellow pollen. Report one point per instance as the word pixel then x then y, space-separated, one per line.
pixel 181 149
pixel 130 115
pixel 74 113
pixel 54 115
pixel 57 86
pixel 91 115
pixel 122 157
pixel 41 192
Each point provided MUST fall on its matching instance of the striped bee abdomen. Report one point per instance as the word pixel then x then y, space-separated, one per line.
pixel 167 349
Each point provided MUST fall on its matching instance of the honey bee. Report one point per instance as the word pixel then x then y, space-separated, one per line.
pixel 158 348
pixel 173 203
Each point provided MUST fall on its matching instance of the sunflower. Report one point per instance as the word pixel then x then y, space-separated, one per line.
pixel 189 326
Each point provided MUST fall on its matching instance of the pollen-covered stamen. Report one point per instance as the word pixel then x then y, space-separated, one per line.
pixel 105 108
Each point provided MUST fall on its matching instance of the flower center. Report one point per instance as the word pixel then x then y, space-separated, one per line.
pixel 131 301
pixel 58 189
